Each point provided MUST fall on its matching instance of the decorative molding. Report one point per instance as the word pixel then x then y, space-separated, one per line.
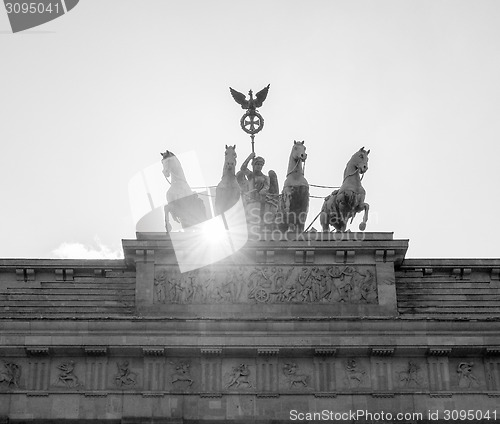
pixel 268 351
pixel 345 256
pixel 340 256
pixel 325 395
pixel 495 274
pixel 383 395
pixel 267 395
pixel 211 351
pixel 142 255
pixel 462 273
pixel 153 351
pixel 309 256
pixel 65 274
pixel 493 394
pixel 493 351
pixel 37 393
pixel 325 351
pixel 210 395
pixel 270 256
pixel 442 351
pixel 96 350
pixel 385 255
pixel 96 394
pixel 441 395
pixel 152 394
pixel 25 274
pixel 260 256
pixel 37 351
pixel 381 351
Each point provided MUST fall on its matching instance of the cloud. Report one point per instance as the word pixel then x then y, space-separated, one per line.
pixel 70 250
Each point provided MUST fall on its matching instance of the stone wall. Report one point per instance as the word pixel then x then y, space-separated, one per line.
pixel 308 325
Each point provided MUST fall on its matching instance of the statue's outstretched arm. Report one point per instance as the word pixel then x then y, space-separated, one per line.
pixel 244 165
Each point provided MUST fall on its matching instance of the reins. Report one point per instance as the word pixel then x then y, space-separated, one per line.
pixel 297 164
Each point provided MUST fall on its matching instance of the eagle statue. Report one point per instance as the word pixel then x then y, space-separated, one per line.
pixel 252 103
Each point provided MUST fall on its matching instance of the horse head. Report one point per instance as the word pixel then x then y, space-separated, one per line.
pixel 299 151
pixel 230 158
pixel 359 160
pixel 167 162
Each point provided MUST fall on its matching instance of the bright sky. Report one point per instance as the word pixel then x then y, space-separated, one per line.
pixel 90 99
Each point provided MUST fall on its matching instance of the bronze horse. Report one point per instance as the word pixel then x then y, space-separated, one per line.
pixel 182 203
pixel 294 201
pixel 228 191
pixel 343 204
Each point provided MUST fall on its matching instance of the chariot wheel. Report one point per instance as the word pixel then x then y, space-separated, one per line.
pixel 252 122
pixel 261 295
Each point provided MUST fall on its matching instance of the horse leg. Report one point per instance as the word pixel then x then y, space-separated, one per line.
pixel 366 208
pixel 326 214
pixel 166 210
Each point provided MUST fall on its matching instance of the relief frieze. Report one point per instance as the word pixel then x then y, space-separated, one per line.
pixel 466 377
pixel 67 377
pixel 239 377
pixel 125 376
pixel 293 376
pixel 182 373
pixel 267 284
pixel 10 374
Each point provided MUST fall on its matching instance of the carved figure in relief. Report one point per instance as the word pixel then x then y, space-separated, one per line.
pixel 67 376
pixel 355 375
pixel 239 376
pixel 465 377
pixel 266 284
pixel 125 377
pixel 367 289
pixel 182 373
pixel 293 378
pixel 10 374
pixel 410 377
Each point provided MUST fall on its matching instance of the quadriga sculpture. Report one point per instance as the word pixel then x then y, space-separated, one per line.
pixel 343 204
pixel 294 202
pixel 228 191
pixel 182 203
